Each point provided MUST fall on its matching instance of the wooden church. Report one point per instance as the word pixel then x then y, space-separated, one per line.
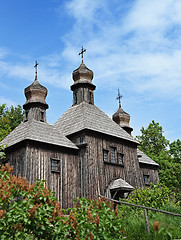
pixel 85 153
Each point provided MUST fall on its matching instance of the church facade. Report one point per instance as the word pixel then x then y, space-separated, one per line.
pixel 85 153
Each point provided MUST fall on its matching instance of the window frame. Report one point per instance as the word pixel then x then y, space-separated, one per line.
pixel 75 97
pixel 42 116
pixel 105 151
pixel 146 178
pixel 26 115
pixel 53 166
pixel 113 157
pixel 122 155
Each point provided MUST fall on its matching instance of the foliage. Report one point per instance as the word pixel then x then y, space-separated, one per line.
pixel 168 156
pixel 162 226
pixel 169 173
pixel 94 220
pixel 175 151
pixel 156 196
pixel 152 142
pixel 32 210
pixel 9 119
pixel 26 209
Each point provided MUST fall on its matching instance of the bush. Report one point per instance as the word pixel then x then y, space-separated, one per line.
pixel 26 209
pixel 94 219
pixel 32 211
pixel 156 196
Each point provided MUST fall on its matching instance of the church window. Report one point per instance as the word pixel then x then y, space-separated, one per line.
pixel 75 98
pixel 146 179
pixel 26 115
pixel 55 165
pixel 90 97
pixel 105 155
pixel 42 116
pixel 82 139
pixel 113 155
pixel 120 158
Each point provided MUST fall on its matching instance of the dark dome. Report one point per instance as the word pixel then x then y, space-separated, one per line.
pixel 82 73
pixel 121 117
pixel 35 93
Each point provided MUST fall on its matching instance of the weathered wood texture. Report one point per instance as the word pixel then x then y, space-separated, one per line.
pixel 82 173
pixel 95 174
pixel 151 171
pixel 34 162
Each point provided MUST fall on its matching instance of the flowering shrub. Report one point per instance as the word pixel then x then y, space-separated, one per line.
pixel 94 219
pixel 26 209
pixel 31 211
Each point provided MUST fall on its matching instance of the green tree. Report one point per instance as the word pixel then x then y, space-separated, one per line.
pixel 175 150
pixel 156 146
pixel 9 119
pixel 152 142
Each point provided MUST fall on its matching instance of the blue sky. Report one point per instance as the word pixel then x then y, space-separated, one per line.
pixel 133 45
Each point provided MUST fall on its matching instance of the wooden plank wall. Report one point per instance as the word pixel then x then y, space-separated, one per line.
pixel 153 174
pixel 17 160
pixel 101 174
pixel 34 162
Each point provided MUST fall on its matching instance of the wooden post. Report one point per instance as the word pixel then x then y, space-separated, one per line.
pixel 147 221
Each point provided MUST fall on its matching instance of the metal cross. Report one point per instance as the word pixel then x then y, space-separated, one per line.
pixel 82 52
pixel 36 65
pixel 119 98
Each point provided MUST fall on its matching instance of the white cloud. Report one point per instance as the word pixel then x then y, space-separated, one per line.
pixel 137 46
pixel 84 9
pixel 7 101
pixel 140 46
pixel 3 52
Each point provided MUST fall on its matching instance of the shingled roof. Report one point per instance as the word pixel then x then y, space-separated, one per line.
pixel 37 131
pixel 88 116
pixel 121 184
pixel 143 158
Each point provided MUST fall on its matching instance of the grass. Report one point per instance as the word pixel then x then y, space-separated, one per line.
pixel 167 226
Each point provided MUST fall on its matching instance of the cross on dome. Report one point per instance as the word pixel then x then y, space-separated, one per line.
pixel 119 98
pixel 36 65
pixel 82 52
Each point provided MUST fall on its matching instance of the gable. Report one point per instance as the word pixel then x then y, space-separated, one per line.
pixel 87 116
pixel 143 158
pixel 37 131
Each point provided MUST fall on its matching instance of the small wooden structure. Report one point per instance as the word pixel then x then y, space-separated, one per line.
pixel 85 153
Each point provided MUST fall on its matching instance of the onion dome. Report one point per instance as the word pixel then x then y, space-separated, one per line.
pixel 82 74
pixel 122 118
pixel 83 87
pixel 35 106
pixel 35 93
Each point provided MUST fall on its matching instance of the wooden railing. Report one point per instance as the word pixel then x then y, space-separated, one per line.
pixel 145 208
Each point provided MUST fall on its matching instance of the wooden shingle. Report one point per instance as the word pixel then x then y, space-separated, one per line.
pixel 37 131
pixel 87 116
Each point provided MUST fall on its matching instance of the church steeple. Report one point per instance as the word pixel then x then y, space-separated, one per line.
pixel 83 87
pixel 35 106
pixel 121 117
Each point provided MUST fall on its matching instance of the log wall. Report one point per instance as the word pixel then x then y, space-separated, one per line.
pixel 151 171
pixel 95 174
pixel 34 162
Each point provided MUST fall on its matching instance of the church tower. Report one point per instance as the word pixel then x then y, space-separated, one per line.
pixel 83 88
pixel 35 106
pixel 121 117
